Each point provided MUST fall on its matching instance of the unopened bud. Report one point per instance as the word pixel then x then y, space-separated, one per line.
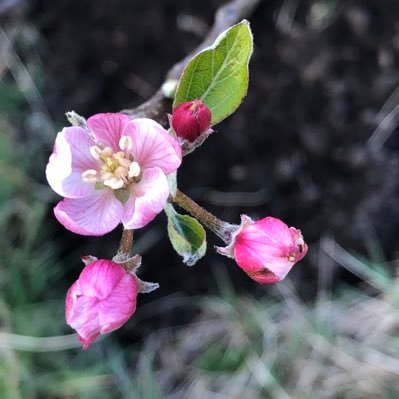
pixel 265 249
pixel 191 119
pixel 101 300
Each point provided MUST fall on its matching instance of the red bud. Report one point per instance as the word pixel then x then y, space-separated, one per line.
pixel 191 119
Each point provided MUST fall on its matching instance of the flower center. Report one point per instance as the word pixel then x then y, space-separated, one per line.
pixel 116 169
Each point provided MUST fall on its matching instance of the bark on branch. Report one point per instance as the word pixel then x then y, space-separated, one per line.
pixel 227 15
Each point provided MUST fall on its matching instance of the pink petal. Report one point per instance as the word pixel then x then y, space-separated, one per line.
pixel 128 208
pixel 86 342
pixel 261 245
pixel 117 309
pixel 153 146
pixel 100 278
pixel 70 158
pixel 151 195
pixel 73 293
pixel 256 261
pixel 85 320
pixel 257 240
pixel 275 229
pixel 94 215
pixel 81 314
pixel 108 128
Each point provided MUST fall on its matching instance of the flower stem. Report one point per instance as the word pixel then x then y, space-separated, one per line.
pixel 126 243
pixel 222 229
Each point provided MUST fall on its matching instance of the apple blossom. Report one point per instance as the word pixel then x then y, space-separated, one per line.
pixel 101 300
pixel 191 119
pixel 265 249
pixel 110 172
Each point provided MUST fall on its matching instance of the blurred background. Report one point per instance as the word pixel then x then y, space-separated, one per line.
pixel 315 143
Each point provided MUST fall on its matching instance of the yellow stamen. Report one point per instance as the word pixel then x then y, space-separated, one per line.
pixel 106 152
pixel 120 172
pixel 116 169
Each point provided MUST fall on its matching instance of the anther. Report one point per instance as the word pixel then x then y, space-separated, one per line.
pixel 95 152
pixel 125 143
pixel 107 151
pixel 114 183
pixel 89 176
pixel 134 169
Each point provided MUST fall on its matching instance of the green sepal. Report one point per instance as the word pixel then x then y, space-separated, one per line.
pixel 172 183
pixel 99 185
pixel 122 194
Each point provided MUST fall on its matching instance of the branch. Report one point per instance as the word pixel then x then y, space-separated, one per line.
pixel 227 15
pixel 222 229
pixel 126 243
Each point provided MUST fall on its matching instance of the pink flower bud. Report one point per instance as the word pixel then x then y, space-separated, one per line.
pixel 191 119
pixel 266 249
pixel 101 300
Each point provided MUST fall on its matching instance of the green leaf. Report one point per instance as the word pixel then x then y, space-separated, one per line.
pixel 218 75
pixel 187 236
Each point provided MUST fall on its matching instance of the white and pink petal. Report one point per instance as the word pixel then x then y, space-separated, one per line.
pixel 151 195
pixel 81 313
pixel 272 230
pixel 108 128
pixel 117 308
pixel 70 158
pixel 95 215
pixel 153 146
pixel 129 207
pixel 100 278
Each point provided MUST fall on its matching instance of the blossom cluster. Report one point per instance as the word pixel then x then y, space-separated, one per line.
pixel 112 169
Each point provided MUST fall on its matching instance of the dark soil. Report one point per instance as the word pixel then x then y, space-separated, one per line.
pixel 300 141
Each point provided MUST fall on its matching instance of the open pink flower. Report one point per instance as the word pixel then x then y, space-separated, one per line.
pixel 101 300
pixel 266 249
pixel 114 171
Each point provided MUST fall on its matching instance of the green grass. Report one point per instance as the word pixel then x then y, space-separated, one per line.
pixel 346 347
